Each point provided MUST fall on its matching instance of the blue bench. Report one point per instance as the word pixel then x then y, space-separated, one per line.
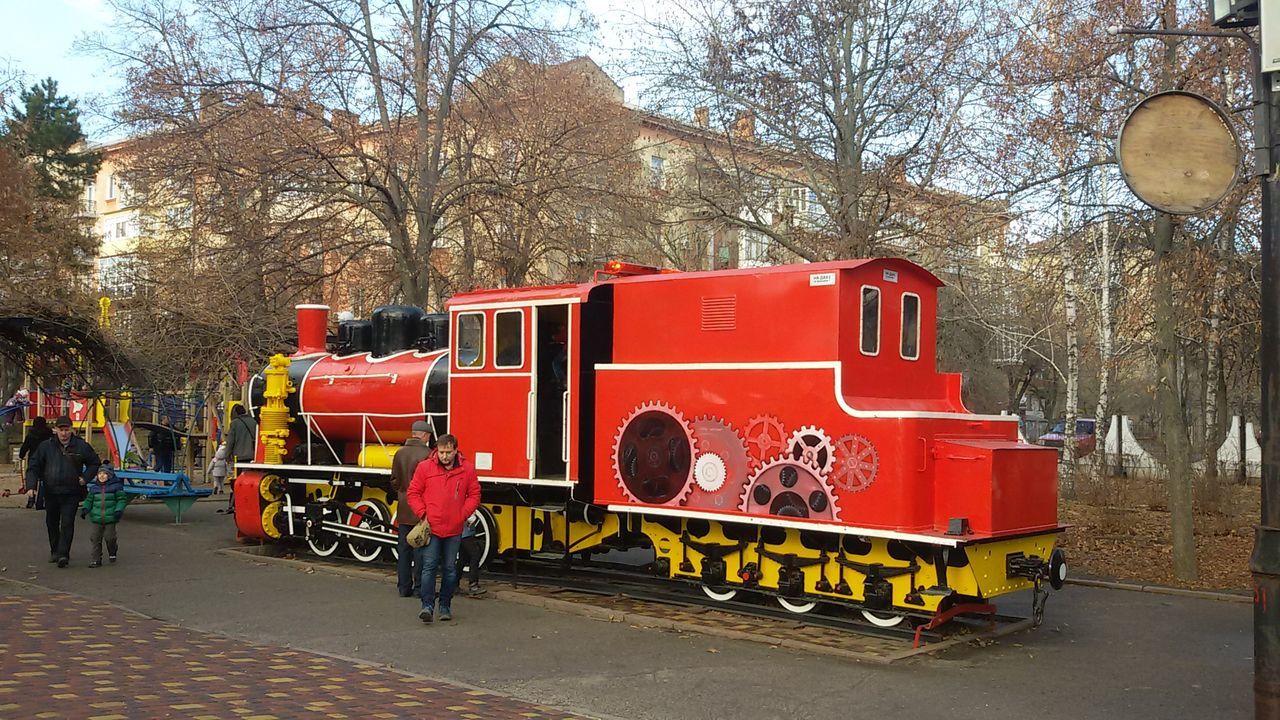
pixel 173 489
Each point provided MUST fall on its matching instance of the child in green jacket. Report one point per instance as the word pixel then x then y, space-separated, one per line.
pixel 104 504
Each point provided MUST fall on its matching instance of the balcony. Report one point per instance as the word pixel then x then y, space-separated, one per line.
pixel 89 208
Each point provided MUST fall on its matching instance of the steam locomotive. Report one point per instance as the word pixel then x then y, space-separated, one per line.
pixel 779 430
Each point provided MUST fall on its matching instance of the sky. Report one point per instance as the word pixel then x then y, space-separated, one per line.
pixel 37 39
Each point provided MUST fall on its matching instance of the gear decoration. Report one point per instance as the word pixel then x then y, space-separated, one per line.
pixel 765 437
pixel 811 446
pixel 716 437
pixel 653 455
pixel 709 472
pixel 785 488
pixel 856 463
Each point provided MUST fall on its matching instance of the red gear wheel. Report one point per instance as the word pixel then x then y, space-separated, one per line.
pixel 653 455
pixel 765 437
pixel 856 463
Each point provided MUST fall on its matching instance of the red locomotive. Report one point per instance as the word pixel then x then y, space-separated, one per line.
pixel 782 430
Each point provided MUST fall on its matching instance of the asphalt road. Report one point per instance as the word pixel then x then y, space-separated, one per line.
pixel 1101 653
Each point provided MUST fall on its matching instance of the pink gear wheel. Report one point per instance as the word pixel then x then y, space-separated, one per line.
pixel 716 437
pixel 785 488
pixel 856 463
pixel 765 437
pixel 653 455
pixel 811 446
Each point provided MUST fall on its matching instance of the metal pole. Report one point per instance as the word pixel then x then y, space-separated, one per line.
pixel 1265 563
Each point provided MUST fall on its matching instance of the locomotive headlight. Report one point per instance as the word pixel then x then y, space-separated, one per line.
pixel 1057 569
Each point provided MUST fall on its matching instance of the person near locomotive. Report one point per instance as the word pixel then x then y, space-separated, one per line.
pixel 416 449
pixel 242 444
pixel 470 555
pixel 65 463
pixel 104 505
pixel 218 467
pixel 445 491
pixel 163 443
pixel 38 433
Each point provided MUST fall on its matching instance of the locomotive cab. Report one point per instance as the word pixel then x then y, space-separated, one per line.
pixel 514 385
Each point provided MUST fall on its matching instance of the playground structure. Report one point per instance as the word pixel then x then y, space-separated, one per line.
pixel 110 423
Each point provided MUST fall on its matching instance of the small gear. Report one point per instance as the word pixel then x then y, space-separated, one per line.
pixel 709 472
pixel 785 488
pixel 811 446
pixel 652 453
pixel 765 437
pixel 856 463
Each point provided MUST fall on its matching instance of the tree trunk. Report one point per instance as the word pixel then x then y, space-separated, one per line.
pixel 1106 340
pixel 1070 295
pixel 1173 428
pixel 1213 356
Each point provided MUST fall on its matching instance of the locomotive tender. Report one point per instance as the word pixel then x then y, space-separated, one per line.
pixel 782 430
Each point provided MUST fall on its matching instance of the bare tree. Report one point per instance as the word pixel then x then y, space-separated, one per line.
pixel 381 81
pixel 856 101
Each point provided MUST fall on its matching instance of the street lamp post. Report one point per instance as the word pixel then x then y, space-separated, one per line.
pixel 1265 561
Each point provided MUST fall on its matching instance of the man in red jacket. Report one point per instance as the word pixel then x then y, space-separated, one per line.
pixel 445 491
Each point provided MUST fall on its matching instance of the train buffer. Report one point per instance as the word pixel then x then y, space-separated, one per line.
pixel 173 489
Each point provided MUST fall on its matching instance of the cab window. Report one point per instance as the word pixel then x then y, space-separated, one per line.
pixel 508 339
pixel 910 349
pixel 870 344
pixel 470 352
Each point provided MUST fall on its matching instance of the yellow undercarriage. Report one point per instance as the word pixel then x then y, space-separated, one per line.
pixel 982 576
pixel 837 575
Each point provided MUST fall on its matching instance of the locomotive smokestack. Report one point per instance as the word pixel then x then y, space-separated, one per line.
pixel 313 321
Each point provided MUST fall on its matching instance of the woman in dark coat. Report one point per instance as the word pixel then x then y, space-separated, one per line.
pixel 38 433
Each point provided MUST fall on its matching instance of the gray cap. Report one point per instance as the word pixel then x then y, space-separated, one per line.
pixel 420 426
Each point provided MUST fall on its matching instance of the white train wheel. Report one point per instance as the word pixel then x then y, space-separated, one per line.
pixel 798 608
pixel 324 542
pixel 374 520
pixel 884 620
pixel 719 595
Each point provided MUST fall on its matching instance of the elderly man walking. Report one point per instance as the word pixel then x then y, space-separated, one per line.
pixel 65 463
pixel 416 449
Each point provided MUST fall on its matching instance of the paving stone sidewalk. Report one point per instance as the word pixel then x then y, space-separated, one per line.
pixel 64 656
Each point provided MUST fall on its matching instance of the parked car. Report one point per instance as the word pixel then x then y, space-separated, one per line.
pixel 1086 435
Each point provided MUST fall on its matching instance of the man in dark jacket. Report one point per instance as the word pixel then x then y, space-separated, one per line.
pixel 38 433
pixel 416 449
pixel 242 445
pixel 65 463
pixel 162 443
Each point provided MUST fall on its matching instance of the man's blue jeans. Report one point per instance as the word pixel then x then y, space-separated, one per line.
pixel 439 556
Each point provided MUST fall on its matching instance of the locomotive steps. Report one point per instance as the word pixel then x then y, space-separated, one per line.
pixel 673 616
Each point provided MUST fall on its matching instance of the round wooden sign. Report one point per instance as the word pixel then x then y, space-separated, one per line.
pixel 1178 153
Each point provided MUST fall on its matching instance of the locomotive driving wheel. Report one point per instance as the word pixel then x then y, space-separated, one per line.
pixel 323 541
pixel 369 516
pixel 798 608
pixel 719 594
pixel 883 619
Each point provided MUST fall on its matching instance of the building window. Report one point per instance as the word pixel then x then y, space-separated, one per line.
pixel 111 187
pixel 470 340
pixel 656 172
pixel 115 275
pixel 870 320
pixel 910 326
pixel 122 229
pixel 508 339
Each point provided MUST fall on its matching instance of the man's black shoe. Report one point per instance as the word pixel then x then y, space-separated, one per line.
pixel 96 563
pixel 53 557
pixel 405 594
pixel 445 614
pixel 425 615
pixel 62 561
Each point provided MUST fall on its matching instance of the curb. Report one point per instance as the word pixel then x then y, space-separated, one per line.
pixel 1164 590
pixel 259 554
